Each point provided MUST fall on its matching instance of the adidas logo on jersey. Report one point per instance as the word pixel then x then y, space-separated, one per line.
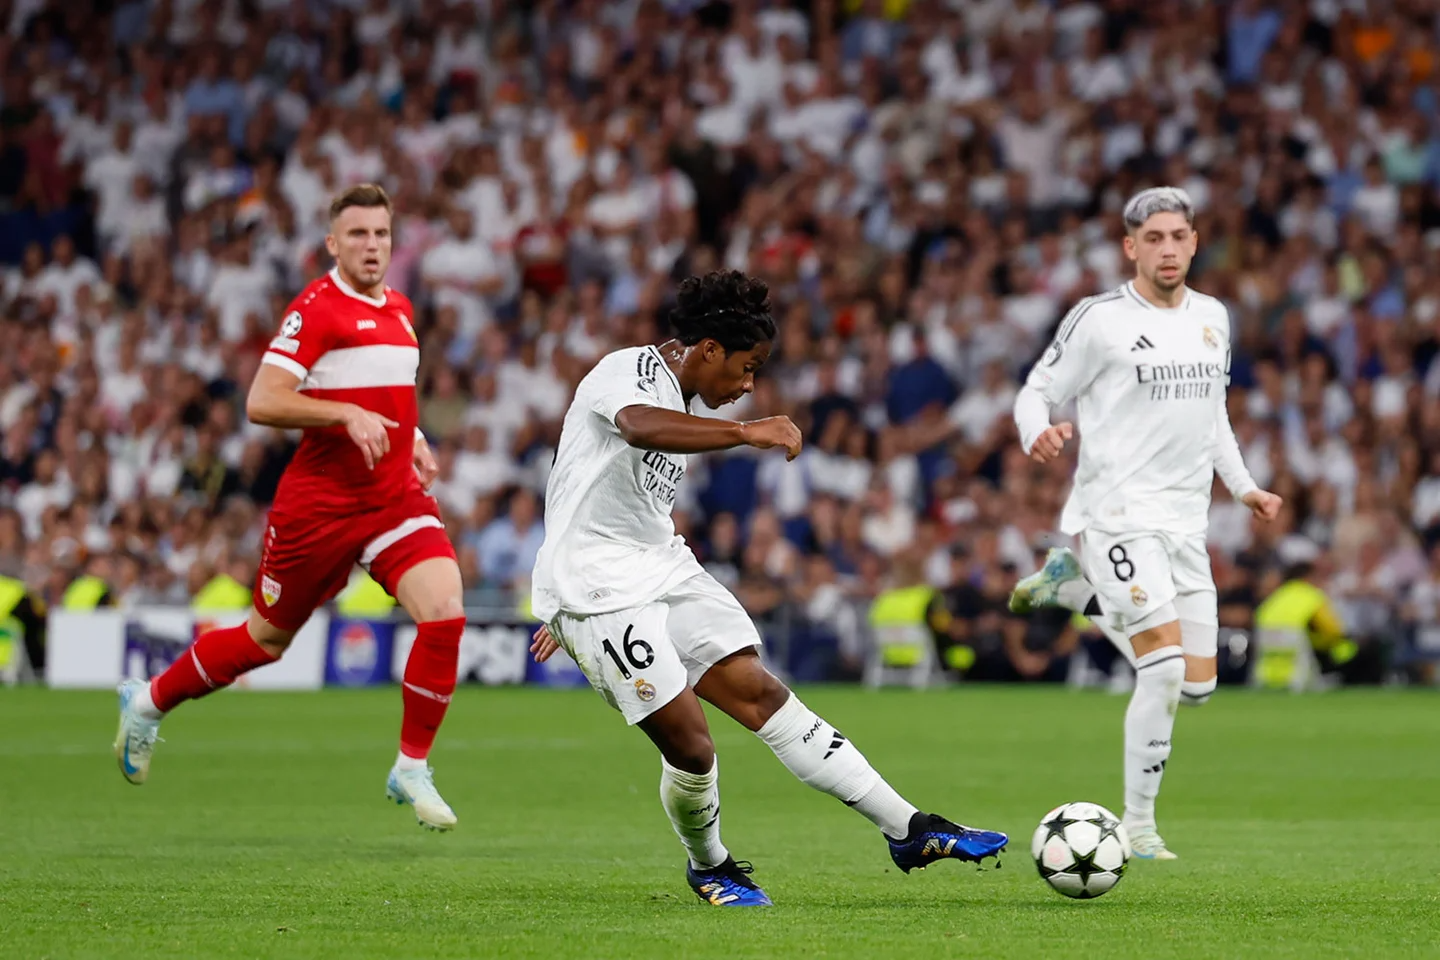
pixel 1142 344
pixel 365 325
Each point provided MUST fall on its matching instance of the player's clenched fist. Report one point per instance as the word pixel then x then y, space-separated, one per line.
pixel 773 432
pixel 371 433
pixel 1048 445
pixel 1263 504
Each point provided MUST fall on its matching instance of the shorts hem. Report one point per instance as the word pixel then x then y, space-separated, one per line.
pixel 655 707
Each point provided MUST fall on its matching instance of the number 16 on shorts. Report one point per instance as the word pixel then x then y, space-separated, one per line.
pixel 627 656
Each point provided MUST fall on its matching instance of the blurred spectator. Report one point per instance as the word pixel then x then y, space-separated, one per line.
pixel 927 187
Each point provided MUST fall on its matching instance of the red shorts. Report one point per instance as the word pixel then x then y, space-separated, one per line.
pixel 308 559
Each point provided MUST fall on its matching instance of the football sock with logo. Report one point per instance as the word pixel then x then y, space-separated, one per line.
pixel 1149 722
pixel 428 685
pixel 824 758
pixel 692 802
pixel 215 660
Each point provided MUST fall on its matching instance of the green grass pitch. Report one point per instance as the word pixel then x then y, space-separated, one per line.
pixel 1308 827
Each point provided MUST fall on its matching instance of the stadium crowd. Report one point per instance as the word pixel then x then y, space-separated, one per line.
pixel 927 186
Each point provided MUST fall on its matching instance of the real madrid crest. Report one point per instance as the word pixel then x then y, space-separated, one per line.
pixel 1212 340
pixel 644 690
pixel 1138 596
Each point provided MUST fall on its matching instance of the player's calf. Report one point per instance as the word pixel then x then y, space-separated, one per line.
pixel 1200 640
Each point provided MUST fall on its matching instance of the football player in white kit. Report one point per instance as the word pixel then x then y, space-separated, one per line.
pixel 652 630
pixel 1147 366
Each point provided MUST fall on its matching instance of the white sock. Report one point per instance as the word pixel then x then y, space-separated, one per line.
pixel 824 758
pixel 402 762
pixel 1075 594
pixel 692 802
pixel 1196 693
pixel 144 705
pixel 1149 722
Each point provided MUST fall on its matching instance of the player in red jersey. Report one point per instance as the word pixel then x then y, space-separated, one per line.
pixel 342 369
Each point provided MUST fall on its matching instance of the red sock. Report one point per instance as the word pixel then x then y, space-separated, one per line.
pixel 213 661
pixel 429 682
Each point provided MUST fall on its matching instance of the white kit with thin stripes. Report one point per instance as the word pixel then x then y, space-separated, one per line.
pixel 1149 387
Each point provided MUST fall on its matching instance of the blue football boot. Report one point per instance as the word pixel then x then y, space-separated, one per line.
pixel 934 838
pixel 728 885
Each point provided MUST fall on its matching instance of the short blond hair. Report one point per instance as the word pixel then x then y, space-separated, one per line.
pixel 361 195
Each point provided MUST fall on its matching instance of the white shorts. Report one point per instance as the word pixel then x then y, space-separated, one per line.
pixel 642 658
pixel 1137 575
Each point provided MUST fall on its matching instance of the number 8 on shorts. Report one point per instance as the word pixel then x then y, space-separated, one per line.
pixel 1133 576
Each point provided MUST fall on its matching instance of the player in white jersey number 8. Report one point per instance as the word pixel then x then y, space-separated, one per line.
pixel 1147 366
pixel 653 631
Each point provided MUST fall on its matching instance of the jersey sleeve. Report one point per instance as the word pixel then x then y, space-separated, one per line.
pixel 1229 463
pixel 1069 364
pixel 304 337
pixel 626 383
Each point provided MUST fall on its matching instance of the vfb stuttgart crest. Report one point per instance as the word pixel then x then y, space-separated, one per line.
pixel 270 591
pixel 409 329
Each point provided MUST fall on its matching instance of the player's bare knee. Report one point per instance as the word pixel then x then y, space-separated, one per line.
pixel 773 695
pixel 692 751
pixel 742 687
pixel 1160 628
pixel 440 608
pixel 270 638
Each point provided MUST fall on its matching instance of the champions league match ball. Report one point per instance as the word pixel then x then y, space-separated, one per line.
pixel 1081 850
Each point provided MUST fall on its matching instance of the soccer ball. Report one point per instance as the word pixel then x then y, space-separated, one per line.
pixel 1081 849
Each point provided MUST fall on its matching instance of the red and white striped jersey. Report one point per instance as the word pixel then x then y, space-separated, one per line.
pixel 350 348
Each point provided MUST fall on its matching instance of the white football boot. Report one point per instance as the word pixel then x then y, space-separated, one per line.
pixel 136 738
pixel 1145 843
pixel 417 788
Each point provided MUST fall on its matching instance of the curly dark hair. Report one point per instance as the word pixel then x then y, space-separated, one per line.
pixel 725 306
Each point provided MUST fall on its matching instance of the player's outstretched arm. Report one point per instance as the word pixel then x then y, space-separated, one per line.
pixel 670 431
pixel 275 401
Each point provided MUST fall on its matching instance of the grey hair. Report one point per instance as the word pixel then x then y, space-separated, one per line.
pixel 1147 203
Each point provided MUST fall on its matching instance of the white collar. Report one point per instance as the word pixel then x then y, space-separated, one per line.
pixel 350 291
pixel 1135 295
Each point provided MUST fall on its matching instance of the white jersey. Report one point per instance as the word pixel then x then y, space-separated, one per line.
pixel 610 543
pixel 1149 385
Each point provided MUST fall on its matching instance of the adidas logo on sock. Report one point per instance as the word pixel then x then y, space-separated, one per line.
pixel 836 742
pixel 1142 344
pixel 1158 768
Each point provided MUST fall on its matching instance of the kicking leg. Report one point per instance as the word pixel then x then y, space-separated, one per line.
pixel 824 758
pixel 213 661
pixel 430 592
pixel 1149 725
pixel 1061 583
